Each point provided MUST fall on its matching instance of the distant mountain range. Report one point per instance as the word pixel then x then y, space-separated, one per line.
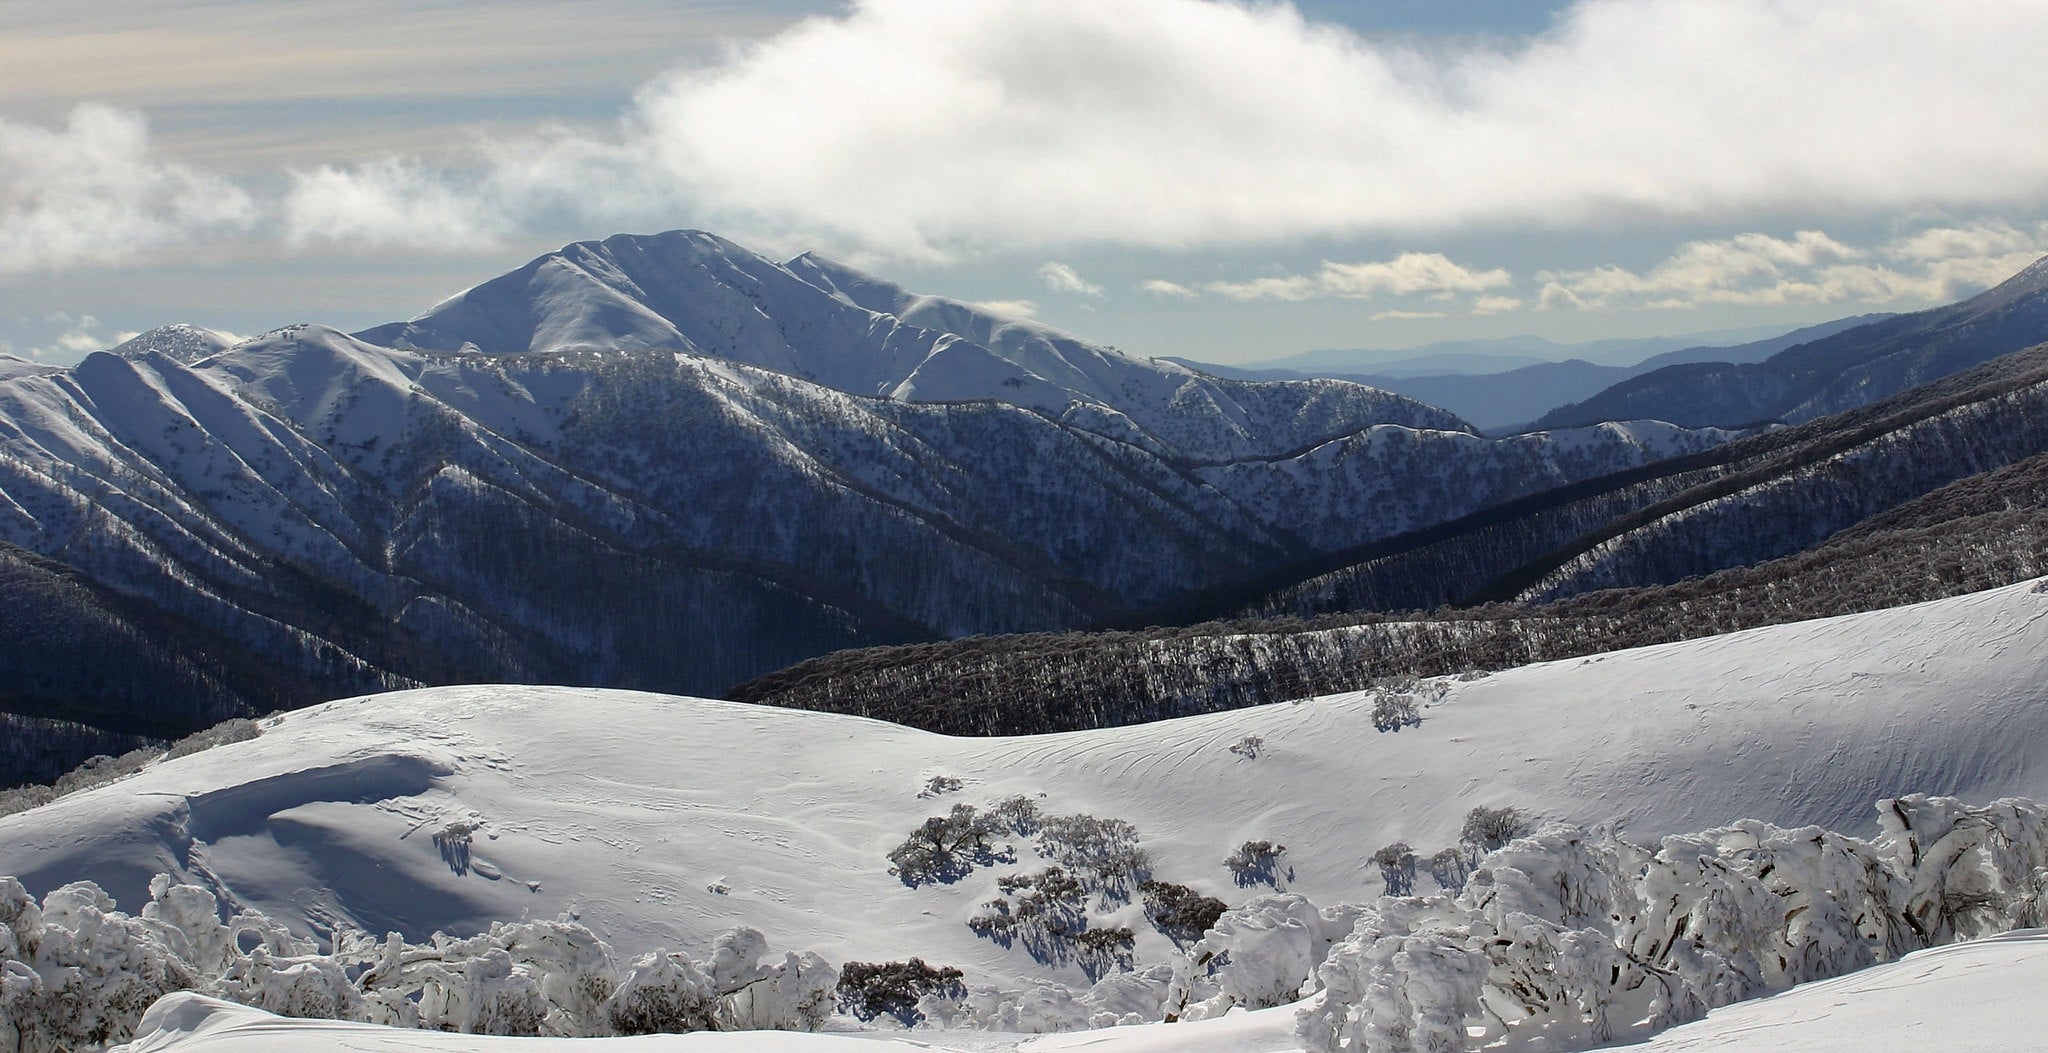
pixel 1841 371
pixel 1501 393
pixel 665 462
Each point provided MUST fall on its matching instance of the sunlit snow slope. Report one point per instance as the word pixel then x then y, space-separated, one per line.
pixel 661 820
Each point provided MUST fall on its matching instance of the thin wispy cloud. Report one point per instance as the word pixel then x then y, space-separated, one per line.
pixel 1061 278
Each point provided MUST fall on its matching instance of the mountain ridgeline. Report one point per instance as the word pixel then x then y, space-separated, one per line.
pixel 665 462
pixel 1837 372
pixel 1935 492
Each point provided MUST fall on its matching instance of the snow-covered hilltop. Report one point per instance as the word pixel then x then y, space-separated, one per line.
pixel 665 821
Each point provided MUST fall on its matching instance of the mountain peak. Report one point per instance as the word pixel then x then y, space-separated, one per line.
pixel 179 341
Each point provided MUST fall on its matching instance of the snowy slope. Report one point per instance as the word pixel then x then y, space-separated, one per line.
pixel 664 821
pixel 1990 996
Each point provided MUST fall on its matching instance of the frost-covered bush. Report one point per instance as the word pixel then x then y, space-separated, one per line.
pixel 869 990
pixel 664 993
pixel 1392 712
pixel 1579 938
pixel 1018 815
pixel 1103 853
pixel 239 729
pixel 1047 907
pixel 1248 747
pixel 939 784
pixel 1260 954
pixel 945 847
pixel 1180 913
pixel 1452 867
pixel 75 973
pixel 1258 862
pixel 1489 828
pixel 1103 951
pixel 1397 868
pixel 23 798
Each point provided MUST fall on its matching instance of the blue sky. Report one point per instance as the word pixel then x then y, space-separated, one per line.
pixel 1193 177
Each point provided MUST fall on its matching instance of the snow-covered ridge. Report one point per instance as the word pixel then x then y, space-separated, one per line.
pixel 827 323
pixel 664 821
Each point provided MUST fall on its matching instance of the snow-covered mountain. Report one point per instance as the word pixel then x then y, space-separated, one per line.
pixel 830 324
pixel 633 497
pixel 1838 372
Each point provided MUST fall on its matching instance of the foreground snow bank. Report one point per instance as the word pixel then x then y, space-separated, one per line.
pixel 1979 997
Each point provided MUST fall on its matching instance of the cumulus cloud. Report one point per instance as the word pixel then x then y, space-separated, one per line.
pixel 93 192
pixel 1496 305
pixel 1408 274
pixel 1062 278
pixel 1405 316
pixel 1810 267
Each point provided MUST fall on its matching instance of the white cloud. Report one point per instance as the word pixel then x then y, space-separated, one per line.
pixel 92 192
pixel 1497 305
pixel 1175 290
pixel 1754 269
pixel 920 125
pixel 1404 316
pixel 58 338
pixel 386 202
pixel 1062 278
pixel 1409 274
pixel 1014 308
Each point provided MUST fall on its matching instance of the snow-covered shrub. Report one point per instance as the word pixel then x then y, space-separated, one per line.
pixel 238 729
pixel 1260 954
pixel 23 798
pixel 1038 1008
pixel 1128 996
pixel 1964 867
pixel 1102 951
pixel 1103 853
pixel 1584 938
pixel 945 847
pixel 1248 747
pixel 1258 862
pixel 1180 913
pixel 1047 906
pixel 1016 814
pixel 794 994
pixel 939 784
pixel 1397 868
pixel 75 973
pixel 1450 868
pixel 1489 828
pixel 1402 982
pixel 868 990
pixel 663 994
pixel 1392 712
